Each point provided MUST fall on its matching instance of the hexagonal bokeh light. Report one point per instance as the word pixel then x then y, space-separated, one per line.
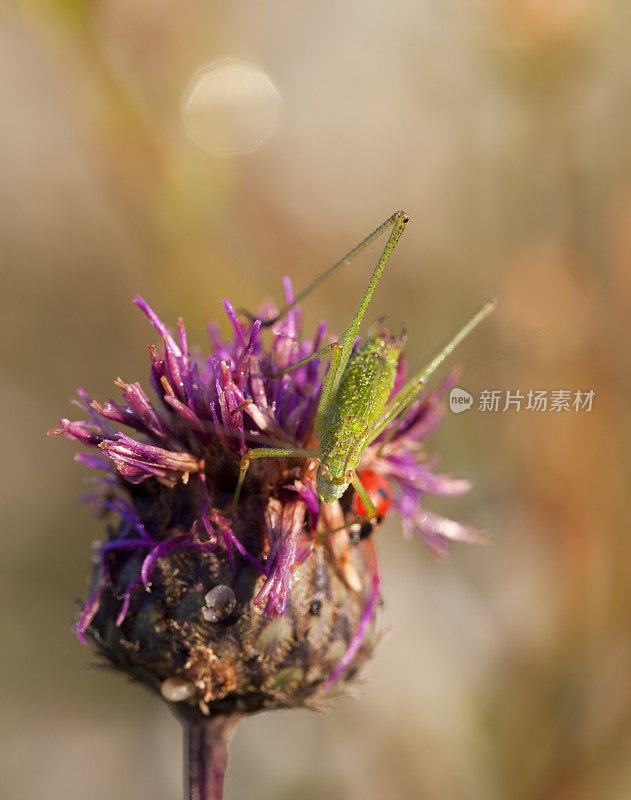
pixel 230 108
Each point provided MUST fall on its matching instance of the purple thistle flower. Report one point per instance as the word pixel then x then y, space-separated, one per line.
pixel 169 475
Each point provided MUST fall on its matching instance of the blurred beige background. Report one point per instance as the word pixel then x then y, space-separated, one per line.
pixel 502 127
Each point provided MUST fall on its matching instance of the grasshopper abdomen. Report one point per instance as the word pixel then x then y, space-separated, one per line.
pixel 360 399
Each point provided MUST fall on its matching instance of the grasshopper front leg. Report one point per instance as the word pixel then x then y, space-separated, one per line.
pixel 265 452
pixel 371 511
pixel 334 347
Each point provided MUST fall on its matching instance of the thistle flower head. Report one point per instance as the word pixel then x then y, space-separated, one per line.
pixel 271 604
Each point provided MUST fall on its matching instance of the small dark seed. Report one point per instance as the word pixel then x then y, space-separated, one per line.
pixel 315 607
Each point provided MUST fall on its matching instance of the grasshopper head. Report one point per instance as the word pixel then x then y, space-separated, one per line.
pixel 330 483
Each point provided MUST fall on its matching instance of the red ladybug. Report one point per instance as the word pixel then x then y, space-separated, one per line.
pixel 378 490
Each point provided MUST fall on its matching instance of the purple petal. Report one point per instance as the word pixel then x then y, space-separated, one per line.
pixel 428 524
pixel 244 359
pixel 79 431
pixel 238 328
pixel 101 423
pixel 359 634
pixel 157 323
pixel 284 526
pixel 162 550
pixel 94 461
pixel 307 492
pixel 89 610
pixel 126 601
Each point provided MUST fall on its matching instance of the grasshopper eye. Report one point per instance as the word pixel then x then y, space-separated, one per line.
pixel 350 474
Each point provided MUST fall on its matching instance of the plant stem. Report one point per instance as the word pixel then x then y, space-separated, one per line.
pixel 206 755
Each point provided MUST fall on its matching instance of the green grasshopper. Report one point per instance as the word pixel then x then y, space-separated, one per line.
pixel 354 407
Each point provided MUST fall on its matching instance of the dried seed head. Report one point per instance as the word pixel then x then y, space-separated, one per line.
pixel 199 638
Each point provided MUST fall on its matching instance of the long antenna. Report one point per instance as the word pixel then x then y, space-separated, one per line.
pixel 481 314
pixel 343 262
